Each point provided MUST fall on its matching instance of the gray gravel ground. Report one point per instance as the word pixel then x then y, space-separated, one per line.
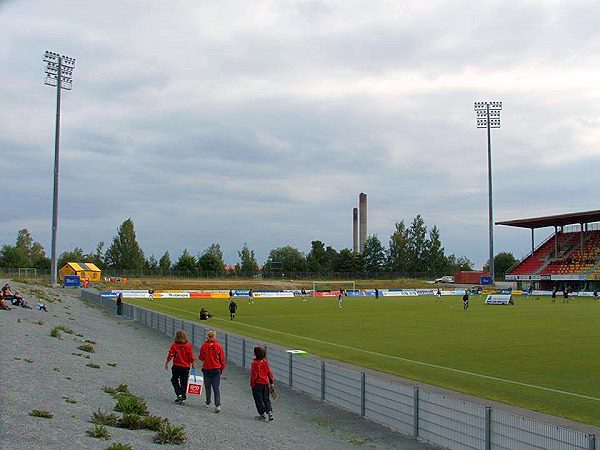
pixel 40 372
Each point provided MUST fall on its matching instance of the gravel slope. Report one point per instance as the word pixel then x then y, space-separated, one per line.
pixel 54 374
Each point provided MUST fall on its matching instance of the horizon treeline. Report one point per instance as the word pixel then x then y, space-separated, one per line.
pixel 412 249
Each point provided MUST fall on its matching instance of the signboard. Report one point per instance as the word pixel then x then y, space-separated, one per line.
pixel 72 281
pixel 485 280
pixel 273 294
pixel 499 299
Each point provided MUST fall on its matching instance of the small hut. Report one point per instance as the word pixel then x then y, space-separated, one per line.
pixel 82 270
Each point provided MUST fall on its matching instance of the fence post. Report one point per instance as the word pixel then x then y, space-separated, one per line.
pixel 174 326
pixel 243 353
pixel 416 411
pixel 488 428
pixel 362 394
pixel 193 330
pixel 592 441
pixel 322 380
pixel 290 368
pixel 182 322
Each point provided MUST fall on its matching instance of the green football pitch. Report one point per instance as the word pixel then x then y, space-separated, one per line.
pixel 536 354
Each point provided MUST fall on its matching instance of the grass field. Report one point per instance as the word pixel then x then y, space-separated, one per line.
pixel 535 354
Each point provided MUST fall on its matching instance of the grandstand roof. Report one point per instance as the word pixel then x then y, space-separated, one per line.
pixel 552 221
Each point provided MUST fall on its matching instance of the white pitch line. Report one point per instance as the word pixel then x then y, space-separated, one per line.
pixel 422 363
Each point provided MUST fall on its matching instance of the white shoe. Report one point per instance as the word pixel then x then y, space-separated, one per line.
pixel 218 409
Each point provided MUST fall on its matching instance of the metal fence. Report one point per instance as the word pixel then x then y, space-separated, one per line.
pixel 432 417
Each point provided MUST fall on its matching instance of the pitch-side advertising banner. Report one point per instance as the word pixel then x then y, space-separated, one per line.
pixel 499 299
pixel 273 294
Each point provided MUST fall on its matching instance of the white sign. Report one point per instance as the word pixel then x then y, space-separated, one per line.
pixel 171 295
pixel 273 294
pixel 499 299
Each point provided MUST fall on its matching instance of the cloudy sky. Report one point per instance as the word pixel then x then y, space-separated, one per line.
pixel 261 122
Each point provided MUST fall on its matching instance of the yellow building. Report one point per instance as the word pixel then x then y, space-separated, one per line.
pixel 83 270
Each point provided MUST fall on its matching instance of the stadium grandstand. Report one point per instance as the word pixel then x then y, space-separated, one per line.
pixel 569 256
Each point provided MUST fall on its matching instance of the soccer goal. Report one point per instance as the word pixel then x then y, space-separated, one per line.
pixel 333 285
pixel 27 271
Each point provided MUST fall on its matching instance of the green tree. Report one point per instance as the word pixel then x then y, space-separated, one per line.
pixel 212 259
pixel 502 262
pixel 164 263
pixel 186 262
pixel 397 254
pixel 248 265
pixel 75 255
pixel 347 261
pixel 318 259
pixel 98 256
pixel 25 253
pixel 292 259
pixel 125 252
pixel 436 261
pixel 417 245
pixel 458 264
pixel 151 263
pixel 373 255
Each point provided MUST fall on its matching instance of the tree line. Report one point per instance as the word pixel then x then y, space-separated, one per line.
pixel 412 249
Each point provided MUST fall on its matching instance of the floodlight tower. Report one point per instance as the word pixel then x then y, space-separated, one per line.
pixel 488 116
pixel 59 74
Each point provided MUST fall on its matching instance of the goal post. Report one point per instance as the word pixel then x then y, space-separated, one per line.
pixel 334 285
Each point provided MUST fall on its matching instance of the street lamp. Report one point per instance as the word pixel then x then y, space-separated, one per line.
pixel 488 116
pixel 59 74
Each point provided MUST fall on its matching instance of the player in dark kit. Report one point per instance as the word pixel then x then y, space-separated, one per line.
pixel 466 301
pixel 232 308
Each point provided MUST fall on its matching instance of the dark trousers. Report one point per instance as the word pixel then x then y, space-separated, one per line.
pixel 260 392
pixel 179 380
pixel 119 309
pixel 212 380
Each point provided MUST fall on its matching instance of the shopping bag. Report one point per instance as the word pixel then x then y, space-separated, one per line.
pixel 195 382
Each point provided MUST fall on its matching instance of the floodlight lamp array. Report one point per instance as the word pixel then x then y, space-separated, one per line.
pixel 483 123
pixel 66 64
pixel 482 106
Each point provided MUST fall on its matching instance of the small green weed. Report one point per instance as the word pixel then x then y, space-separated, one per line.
pixel 69 400
pixel 41 413
pixel 87 348
pixel 39 322
pixel 93 366
pixel 170 435
pixel 111 364
pixel 28 360
pixel 100 418
pixel 99 431
pixel 131 421
pixel 79 334
pixel 154 423
pixel 130 404
pixel 17 358
pixel 77 354
pixel 56 369
pixel 88 341
pixel 55 332
pixel 123 388
pixel 119 446
pixel 109 390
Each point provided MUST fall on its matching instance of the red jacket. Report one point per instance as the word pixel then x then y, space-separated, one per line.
pixel 212 355
pixel 261 373
pixel 183 354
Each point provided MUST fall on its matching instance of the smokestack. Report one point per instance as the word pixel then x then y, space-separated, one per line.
pixel 362 207
pixel 355 230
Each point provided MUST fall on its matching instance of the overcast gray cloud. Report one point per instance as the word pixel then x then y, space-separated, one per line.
pixel 262 121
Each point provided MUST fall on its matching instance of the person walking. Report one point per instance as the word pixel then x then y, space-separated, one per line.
pixel 340 298
pixel 262 382
pixel 250 297
pixel 214 362
pixel 182 354
pixel 466 301
pixel 232 309
pixel 120 304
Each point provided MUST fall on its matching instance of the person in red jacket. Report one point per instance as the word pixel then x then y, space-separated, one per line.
pixel 214 362
pixel 182 354
pixel 261 382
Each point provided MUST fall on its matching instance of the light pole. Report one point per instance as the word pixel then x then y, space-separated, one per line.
pixel 59 73
pixel 488 116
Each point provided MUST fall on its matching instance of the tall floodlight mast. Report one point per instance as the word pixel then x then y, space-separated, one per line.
pixel 488 116
pixel 59 74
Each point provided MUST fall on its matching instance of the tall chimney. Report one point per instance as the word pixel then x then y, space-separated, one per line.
pixel 362 207
pixel 355 230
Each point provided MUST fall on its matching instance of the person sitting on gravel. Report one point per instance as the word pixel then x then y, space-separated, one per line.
pixel 3 306
pixel 17 300
pixel 41 306
pixel 204 314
